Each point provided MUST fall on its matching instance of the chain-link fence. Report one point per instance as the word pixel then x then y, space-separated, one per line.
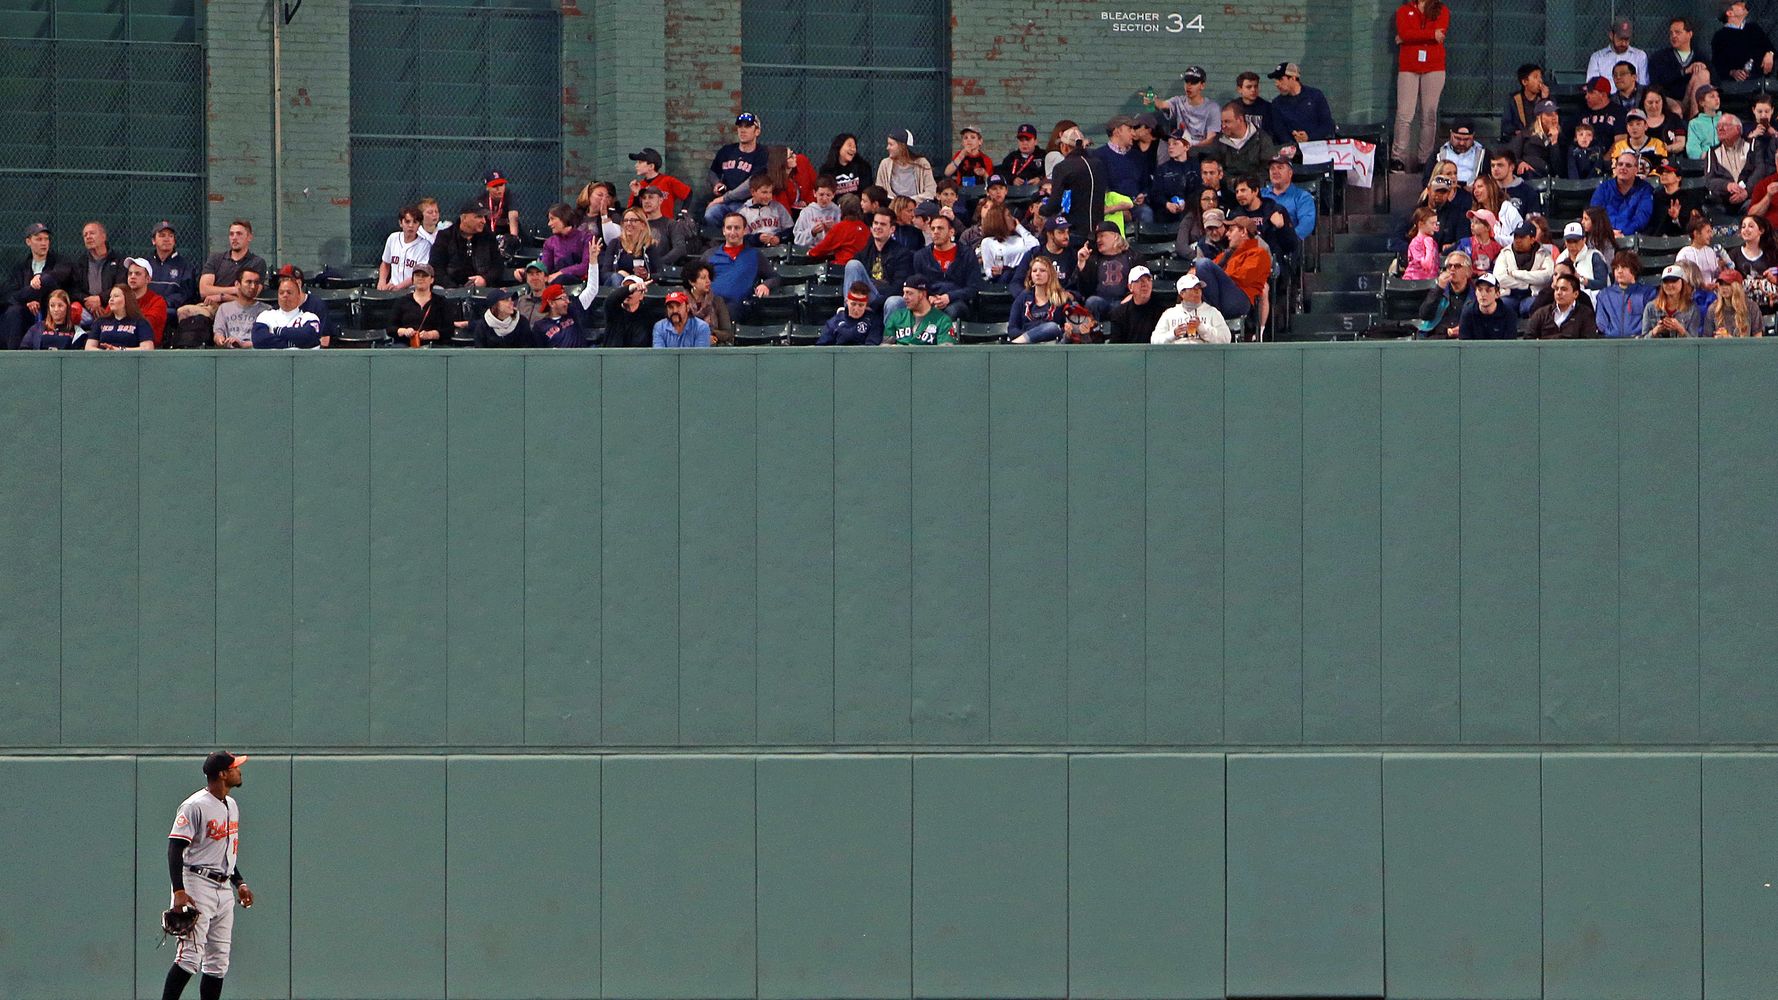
pixel 813 70
pixel 104 119
pixel 440 94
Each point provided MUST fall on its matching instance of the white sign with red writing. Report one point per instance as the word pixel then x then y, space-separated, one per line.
pixel 1355 157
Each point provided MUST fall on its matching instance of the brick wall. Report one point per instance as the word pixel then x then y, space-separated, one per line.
pixel 317 165
pixel 580 79
pixel 237 103
pixel 703 85
pixel 631 48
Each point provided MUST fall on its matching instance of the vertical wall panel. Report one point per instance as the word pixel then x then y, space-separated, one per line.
pixel 31 543
pixel 1738 543
pixel 1305 876
pixel 1145 876
pixel 795 523
pixel 1497 561
pixel 100 534
pixel 1184 584
pixel 1464 889
pixel 678 864
pixel 330 540
pixel 523 830
pixel 835 857
pixel 1578 543
pixel 562 550
pixel 79 940
pixel 485 551
pixel 718 502
pixel 640 524
pixel 1342 587
pixel 254 442
pixel 990 876
pixel 1263 547
pixel 1419 502
pixel 949 468
pixel 383 935
pixel 177 589
pixel 1106 518
pixel 259 952
pixel 408 563
pixel 1740 875
pixel 872 559
pixel 1658 516
pixel 1621 866
pixel 1027 542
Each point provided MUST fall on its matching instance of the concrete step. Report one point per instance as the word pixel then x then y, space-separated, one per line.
pixel 1338 302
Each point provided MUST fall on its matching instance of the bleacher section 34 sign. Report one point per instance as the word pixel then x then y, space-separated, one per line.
pixel 1151 21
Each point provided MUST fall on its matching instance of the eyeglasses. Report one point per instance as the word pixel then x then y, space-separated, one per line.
pixel 1455 265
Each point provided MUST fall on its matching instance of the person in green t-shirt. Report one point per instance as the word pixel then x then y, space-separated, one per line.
pixel 916 322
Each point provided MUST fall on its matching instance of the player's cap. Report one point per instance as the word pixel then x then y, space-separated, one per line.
pixel 902 135
pixel 1188 280
pixel 162 226
pixel 1137 273
pixel 1574 231
pixel 647 154
pixel 1214 217
pixel 425 269
pixel 917 282
pixel 494 178
pixel 498 295
pixel 747 118
pixel 1545 107
pixel 1487 278
pixel 221 761
pixel 1058 224
pixel 1027 129
pixel 678 296
pixel 967 129
pixel 1194 74
pixel 1672 272
pixel 1283 70
pixel 140 262
pixel 34 228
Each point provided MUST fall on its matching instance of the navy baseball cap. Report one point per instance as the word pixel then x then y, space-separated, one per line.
pixel 498 295
pixel 221 761
pixel 1028 129
pixel 493 177
pixel 1525 229
pixel 1194 74
pixel 927 210
pixel 648 154
pixel 34 228
pixel 746 118
pixel 916 281
pixel 162 226
pixel 996 180
pixel 1059 222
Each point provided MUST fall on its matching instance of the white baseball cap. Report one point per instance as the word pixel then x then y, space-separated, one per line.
pixel 141 262
pixel 1574 231
pixel 1139 272
pixel 1187 281
pixel 1673 271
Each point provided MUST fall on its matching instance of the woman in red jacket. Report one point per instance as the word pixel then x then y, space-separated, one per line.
pixel 1420 27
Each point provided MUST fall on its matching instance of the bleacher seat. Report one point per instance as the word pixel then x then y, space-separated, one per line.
pixel 759 335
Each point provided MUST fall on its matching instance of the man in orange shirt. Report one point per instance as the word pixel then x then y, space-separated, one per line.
pixel 1235 281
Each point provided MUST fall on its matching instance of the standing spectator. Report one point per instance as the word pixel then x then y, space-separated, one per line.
pixel 153 308
pixel 1673 312
pixel 1700 132
pixel 1700 254
pixel 423 318
pixel 1242 146
pixel 430 226
pixel 290 326
pixel 1171 184
pixel 1569 317
pixel 1104 270
pixel 401 251
pixel 570 253
pixel 466 256
pixel 820 215
pixel 1626 198
pixel 916 322
pixel 882 263
pixel 855 325
pixel 680 328
pixel 1053 153
pixel 1037 311
pixel 1299 113
pixel 1024 165
pixel 1729 168
pixel 844 239
pixel 216 282
pixel 1619 308
pixel 739 272
pixel 1618 49
pixel 121 326
pixel 172 276
pixel 1118 164
pixel 56 331
pixel 103 268
pixel 1743 49
pixel 1488 318
pixel 1423 248
pixel 1524 268
pixel 952 273
pixel 1256 109
pixel 970 167
pixel 1077 187
pixel 1133 320
pixel 503 208
pixel 851 172
pixel 1762 137
pixel 234 319
pixel 673 237
pixel 768 221
pixel 902 173
pixel 30 283
pixel 733 166
pixel 1462 150
pixel 1452 291
pixel 1192 321
pixel 648 175
pixel 1679 69
pixel 706 304
pixel 1191 111
pixel 1601 112
pixel 502 326
pixel 1420 27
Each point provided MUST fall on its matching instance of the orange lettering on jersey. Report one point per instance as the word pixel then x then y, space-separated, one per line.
pixel 217 830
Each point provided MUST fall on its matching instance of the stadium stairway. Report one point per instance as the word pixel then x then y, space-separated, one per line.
pixel 1340 296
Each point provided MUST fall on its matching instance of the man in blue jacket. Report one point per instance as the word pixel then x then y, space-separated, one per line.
pixel 1299 113
pixel 1118 160
pixel 1299 203
pixel 1626 197
pixel 1618 309
pixel 883 263
pixel 951 269
pixel 738 272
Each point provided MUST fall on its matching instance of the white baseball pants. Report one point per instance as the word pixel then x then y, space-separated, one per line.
pixel 208 941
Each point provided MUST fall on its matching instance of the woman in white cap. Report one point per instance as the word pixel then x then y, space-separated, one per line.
pixel 1672 312
pixel 902 173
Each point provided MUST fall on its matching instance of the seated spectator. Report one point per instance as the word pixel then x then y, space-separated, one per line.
pixel 1733 315
pixel 1618 49
pixel 151 305
pixel 674 238
pixel 1192 321
pixel 1482 246
pixel 1243 147
pixel 1702 297
pixel 1055 246
pixel 1452 290
pixel 502 208
pixel 851 172
pixel 1256 109
pixel 1213 176
pixel 883 264
pixel 1245 268
pixel 30 283
pixel 1619 309
pixel 401 251
pixel 1524 269
pixel 1423 251
pixel 842 240
pixel 680 328
pixel 290 326
pixel 820 215
pixel 1299 113
pixel 1506 172
pixel 768 222
pixel 1626 197
pixel 1743 50
pixel 674 192
pixel 1461 149
pixel 1587 261
pixel 911 219
pixel 570 255
pixel 634 254
pixel 172 278
pixel 1275 226
pixel 121 326
pixel 233 326
pixel 706 304
pixel 1651 151
pixel 57 330
pixel 855 325
pixel 1663 124
pixel 1568 318
pixel 970 167
pixel 1522 108
pixel 1542 148
pixel 221 271
pixel 1626 93
pixel 1037 315
pixel 563 323
pixel 950 203
pixel 1586 158
pixel 1024 165
pixel 528 302
pixel 1700 132
pixel 1171 185
pixel 1673 312
pixel 1700 254
pixel 423 319
pixel 1486 194
pixel 1679 69
pixel 467 256
pixel 1729 169
pixel 1079 326
pixel 903 173
pixel 502 326
pixel 952 273
pixel 733 166
pixel 1203 234
pixel 1453 213
pixel 1004 243
pixel 1133 320
pixel 1298 203
pixel 1104 270
pixel 793 179
pixel 596 203
pixel 1762 138
pixel 101 270
pixel 917 322
pixel 739 272
pixel 1601 112
pixel 1487 317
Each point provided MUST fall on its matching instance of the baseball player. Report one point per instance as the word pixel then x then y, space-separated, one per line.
pixel 201 853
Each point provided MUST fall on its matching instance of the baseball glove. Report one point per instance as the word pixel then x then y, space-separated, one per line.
pixel 178 922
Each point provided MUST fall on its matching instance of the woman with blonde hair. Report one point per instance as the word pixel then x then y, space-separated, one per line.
pixel 56 331
pixel 1039 311
pixel 634 253
pixel 1672 312
pixel 903 173
pixel 1732 315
